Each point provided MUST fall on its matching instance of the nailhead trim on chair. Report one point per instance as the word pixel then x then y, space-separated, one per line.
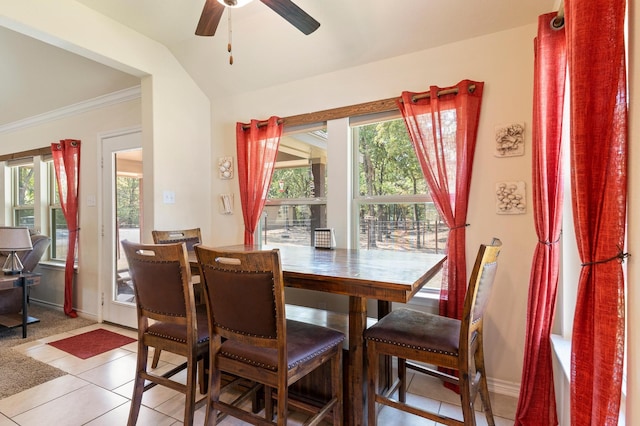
pixel 271 367
pixel 420 348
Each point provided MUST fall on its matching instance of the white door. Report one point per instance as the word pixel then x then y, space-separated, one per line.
pixel 121 219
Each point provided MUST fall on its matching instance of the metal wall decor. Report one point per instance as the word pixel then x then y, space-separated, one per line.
pixel 510 198
pixel 509 140
pixel 225 167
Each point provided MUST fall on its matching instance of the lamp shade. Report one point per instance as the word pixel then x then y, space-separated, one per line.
pixel 14 239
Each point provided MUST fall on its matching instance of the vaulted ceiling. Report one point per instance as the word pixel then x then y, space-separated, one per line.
pixel 36 77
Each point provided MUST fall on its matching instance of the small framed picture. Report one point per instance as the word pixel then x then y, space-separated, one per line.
pixel 510 198
pixel 510 140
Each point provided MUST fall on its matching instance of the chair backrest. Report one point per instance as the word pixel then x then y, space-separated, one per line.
pixel 31 258
pixel 244 295
pixel 190 237
pixel 162 281
pixel 480 285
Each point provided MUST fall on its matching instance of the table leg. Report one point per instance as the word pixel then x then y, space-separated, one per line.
pixel 25 316
pixel 355 396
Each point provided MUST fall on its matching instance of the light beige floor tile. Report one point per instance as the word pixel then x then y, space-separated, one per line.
pixel 5 421
pixel 112 374
pixel 45 353
pixel 455 412
pixel 41 394
pixel 503 405
pixel 73 409
pixel 151 398
pixel 174 407
pixel 420 384
pixel 120 415
pixel 75 365
pixel 389 416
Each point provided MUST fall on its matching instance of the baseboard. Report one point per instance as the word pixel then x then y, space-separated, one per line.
pixel 60 308
pixel 503 387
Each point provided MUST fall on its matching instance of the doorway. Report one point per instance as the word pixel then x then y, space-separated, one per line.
pixel 122 220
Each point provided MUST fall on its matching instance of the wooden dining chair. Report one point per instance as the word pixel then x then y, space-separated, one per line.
pixel 168 321
pixel 439 342
pixel 252 339
pixel 190 237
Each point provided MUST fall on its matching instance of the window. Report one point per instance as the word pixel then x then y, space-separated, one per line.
pixel 58 225
pixel 358 175
pixel 395 210
pixel 24 195
pixel 296 201
pixel 35 202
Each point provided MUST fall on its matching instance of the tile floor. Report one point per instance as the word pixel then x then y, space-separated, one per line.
pixel 97 392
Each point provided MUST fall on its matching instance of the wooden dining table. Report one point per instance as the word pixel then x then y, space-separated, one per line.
pixel 386 276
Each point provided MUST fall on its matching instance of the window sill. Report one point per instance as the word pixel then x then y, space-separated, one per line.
pixel 562 349
pixel 55 264
pixel 426 299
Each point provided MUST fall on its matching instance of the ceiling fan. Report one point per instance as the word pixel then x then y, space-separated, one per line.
pixel 213 9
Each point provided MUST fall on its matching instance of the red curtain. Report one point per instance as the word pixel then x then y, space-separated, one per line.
pixel 257 147
pixel 66 160
pixel 537 404
pixel 596 58
pixel 443 124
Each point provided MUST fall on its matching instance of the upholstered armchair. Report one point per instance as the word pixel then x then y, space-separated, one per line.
pixel 11 300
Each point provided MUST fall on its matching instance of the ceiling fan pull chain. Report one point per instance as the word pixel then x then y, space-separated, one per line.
pixel 229 44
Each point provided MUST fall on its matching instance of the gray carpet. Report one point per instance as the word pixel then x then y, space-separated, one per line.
pixel 19 372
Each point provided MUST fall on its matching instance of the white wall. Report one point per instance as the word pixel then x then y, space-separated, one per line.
pixel 85 127
pixel 504 61
pixel 174 115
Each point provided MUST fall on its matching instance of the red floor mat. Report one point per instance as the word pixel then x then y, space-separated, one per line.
pixel 92 343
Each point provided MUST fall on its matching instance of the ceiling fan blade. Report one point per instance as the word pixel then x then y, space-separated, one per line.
pixel 210 18
pixel 292 13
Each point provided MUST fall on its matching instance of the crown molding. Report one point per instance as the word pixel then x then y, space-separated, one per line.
pixel 103 101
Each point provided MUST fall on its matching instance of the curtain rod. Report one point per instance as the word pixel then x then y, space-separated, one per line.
pixel 25 154
pixel 452 91
pixel 557 22
pixel 389 104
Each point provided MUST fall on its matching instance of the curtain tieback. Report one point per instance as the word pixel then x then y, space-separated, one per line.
pixel 549 243
pixel 621 256
pixel 459 226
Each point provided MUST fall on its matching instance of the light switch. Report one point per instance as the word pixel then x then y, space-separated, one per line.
pixel 169 197
pixel 91 200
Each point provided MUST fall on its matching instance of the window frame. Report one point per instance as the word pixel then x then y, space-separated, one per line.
pixel 293 201
pixel 53 206
pixel 16 206
pixel 340 200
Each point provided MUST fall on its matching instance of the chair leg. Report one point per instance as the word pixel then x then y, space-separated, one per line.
pixel 156 358
pixel 372 381
pixel 268 403
pixel 282 407
pixel 203 373
pixel 190 394
pixel 213 395
pixel 402 376
pixel 336 383
pixel 466 401
pixel 138 384
pixel 483 388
